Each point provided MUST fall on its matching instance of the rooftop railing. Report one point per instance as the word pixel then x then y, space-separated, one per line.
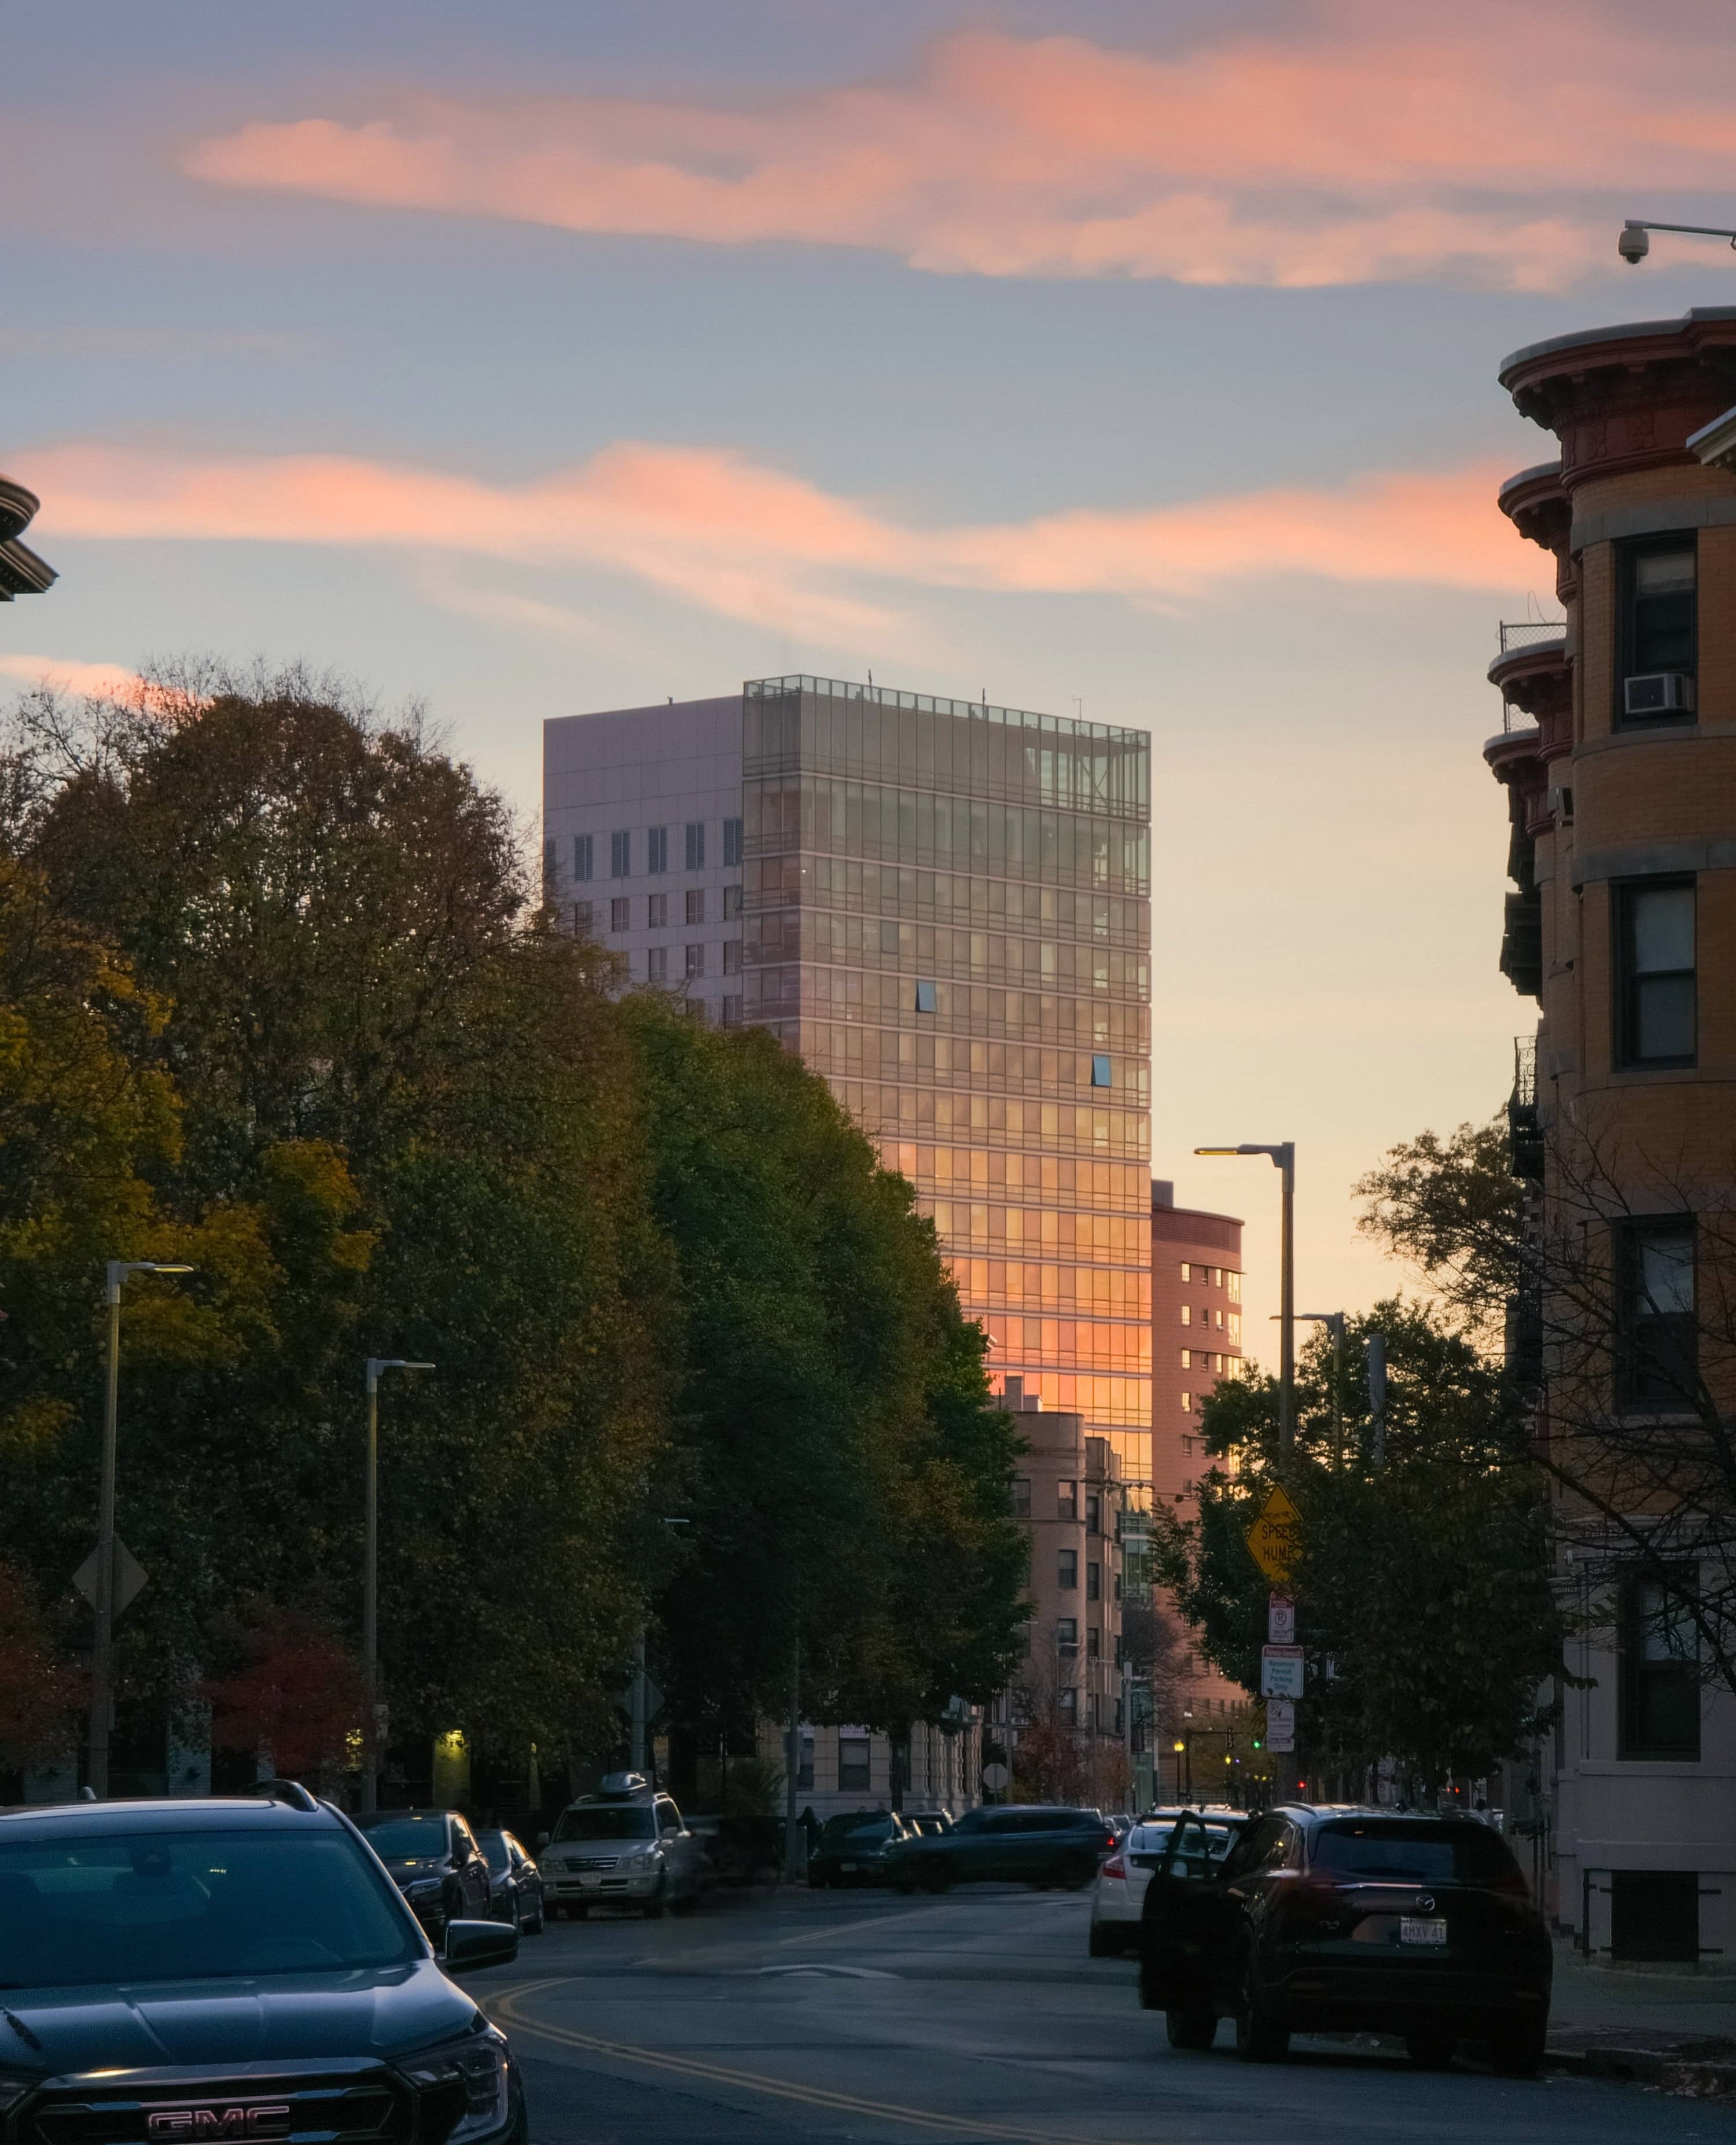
pixel 1530 632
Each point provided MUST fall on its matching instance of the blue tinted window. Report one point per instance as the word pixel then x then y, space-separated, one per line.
pixel 1100 1073
pixel 657 849
pixel 927 998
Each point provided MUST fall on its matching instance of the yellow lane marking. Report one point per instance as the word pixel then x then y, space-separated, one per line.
pixel 695 2067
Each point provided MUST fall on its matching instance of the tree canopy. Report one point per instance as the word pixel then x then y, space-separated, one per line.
pixel 275 1001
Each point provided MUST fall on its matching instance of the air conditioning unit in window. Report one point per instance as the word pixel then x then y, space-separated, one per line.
pixel 1659 693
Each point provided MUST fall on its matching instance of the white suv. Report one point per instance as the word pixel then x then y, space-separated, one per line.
pixel 1117 1900
pixel 626 1845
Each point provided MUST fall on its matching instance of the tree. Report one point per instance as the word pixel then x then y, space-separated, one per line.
pixel 383 1110
pixel 41 1691
pixel 1619 1282
pixel 846 1481
pixel 1424 1576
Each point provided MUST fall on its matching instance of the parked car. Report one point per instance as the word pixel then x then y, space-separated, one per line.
pixel 625 1846
pixel 1010 1843
pixel 1117 1898
pixel 855 1848
pixel 433 1859
pixel 514 1883
pixel 235 1968
pixel 1335 1919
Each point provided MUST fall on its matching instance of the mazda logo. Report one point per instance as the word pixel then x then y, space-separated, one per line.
pixel 242 2119
pixel 1426 1905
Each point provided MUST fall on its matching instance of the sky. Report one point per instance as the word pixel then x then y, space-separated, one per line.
pixel 1134 358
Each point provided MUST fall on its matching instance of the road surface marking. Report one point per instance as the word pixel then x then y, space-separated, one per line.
pixel 952 2126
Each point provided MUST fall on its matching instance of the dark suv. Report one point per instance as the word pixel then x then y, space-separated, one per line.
pixel 1019 1843
pixel 234 1970
pixel 1334 1919
pixel 432 1857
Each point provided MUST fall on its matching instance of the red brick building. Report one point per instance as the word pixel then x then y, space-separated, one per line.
pixel 1197 1315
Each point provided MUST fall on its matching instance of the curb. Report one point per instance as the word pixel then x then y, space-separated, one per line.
pixel 1672 2074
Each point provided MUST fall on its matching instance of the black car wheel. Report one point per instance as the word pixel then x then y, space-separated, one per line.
pixel 938 1876
pixel 1195 2027
pixel 1516 2046
pixel 1432 2049
pixel 1101 1944
pixel 1262 2036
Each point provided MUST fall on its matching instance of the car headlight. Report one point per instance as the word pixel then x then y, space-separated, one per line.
pixel 471 2075
pixel 425 1888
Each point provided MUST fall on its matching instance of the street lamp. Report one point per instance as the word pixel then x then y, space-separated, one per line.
pixel 1633 245
pixel 371 1571
pixel 103 1645
pixel 1283 1158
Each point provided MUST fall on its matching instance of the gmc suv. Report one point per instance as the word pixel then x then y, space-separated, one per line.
pixel 244 1969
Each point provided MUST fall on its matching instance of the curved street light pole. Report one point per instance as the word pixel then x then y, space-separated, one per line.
pixel 103 1641
pixel 1283 1158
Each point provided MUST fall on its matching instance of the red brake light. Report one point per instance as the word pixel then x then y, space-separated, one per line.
pixel 1115 1867
pixel 1513 1880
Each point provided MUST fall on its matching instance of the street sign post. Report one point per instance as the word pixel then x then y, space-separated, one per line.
pixel 995 1777
pixel 1281 1671
pixel 1281 1725
pixel 1280 1620
pixel 1274 1538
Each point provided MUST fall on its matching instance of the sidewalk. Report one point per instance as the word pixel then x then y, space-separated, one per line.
pixel 1659 2025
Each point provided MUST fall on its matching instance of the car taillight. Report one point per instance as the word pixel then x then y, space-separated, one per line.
pixel 1109 1841
pixel 1115 1867
pixel 1513 1880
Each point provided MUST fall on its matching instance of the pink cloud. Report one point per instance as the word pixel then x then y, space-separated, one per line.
pixel 104 681
pixel 713 529
pixel 1354 145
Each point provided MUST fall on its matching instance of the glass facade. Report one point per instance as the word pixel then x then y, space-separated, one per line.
pixel 947 912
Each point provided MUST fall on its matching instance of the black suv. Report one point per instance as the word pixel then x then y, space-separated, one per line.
pixel 171 1971
pixel 1334 1919
pixel 432 1857
pixel 1011 1842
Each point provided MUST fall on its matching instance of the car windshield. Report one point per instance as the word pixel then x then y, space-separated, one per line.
pixel 174 1906
pixel 407 1836
pixel 494 1847
pixel 1149 1838
pixel 1395 1852
pixel 857 1828
pixel 607 1821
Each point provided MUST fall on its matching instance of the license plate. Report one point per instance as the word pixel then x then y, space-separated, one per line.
pixel 590 1880
pixel 848 1867
pixel 1420 1929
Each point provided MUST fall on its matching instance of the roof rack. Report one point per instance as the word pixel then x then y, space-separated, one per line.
pixel 289 1792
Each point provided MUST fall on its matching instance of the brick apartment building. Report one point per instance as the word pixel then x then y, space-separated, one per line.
pixel 1196 1276
pixel 1618 753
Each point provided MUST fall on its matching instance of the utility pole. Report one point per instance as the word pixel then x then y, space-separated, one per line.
pixel 372 1739
pixel 102 1700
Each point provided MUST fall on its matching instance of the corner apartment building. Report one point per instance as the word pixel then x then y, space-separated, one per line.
pixel 1196 1313
pixel 1618 753
pixel 22 572
pixel 944 905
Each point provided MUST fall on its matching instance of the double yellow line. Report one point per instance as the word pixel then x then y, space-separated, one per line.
pixel 507 2009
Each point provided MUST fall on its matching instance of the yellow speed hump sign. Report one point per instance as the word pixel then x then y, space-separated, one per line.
pixel 1272 1540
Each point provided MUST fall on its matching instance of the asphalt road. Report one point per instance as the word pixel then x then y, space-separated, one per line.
pixel 812 2017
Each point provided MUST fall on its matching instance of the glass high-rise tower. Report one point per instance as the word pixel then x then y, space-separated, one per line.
pixel 945 906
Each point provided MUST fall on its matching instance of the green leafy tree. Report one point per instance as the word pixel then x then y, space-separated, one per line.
pixel 1423 1574
pixel 846 1481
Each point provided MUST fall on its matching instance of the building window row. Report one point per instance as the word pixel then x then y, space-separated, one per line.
pixel 1000 1120
pixel 801 932
pixel 971 899
pixel 1038 1284
pixel 695 908
pixel 1224 1278
pixel 656 850
pixel 892 999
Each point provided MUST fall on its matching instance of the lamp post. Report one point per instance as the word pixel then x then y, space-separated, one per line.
pixel 1283 1158
pixel 102 1642
pixel 1333 1321
pixel 371 1572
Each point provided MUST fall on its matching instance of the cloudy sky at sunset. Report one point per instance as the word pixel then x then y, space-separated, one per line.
pixel 1133 356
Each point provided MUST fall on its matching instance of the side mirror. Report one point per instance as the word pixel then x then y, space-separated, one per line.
pixel 472 1944
pixel 542 1839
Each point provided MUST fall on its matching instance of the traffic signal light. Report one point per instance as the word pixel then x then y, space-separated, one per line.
pixel 1257 1745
